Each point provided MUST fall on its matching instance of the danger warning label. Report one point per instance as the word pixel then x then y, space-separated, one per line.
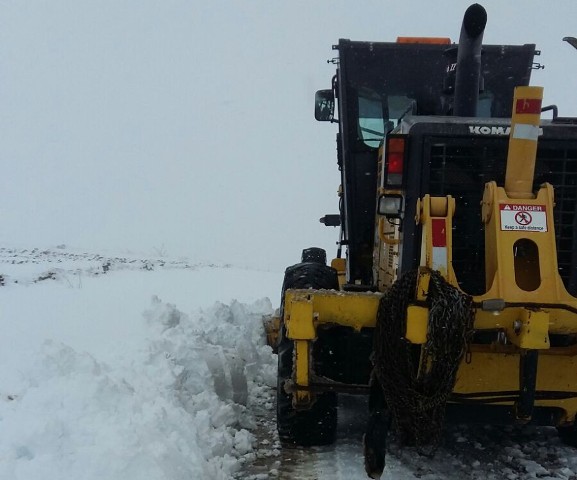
pixel 530 218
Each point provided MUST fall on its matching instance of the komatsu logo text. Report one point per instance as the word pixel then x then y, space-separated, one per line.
pixel 479 130
pixel 485 130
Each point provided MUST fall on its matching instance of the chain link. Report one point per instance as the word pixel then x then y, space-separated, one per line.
pixel 417 380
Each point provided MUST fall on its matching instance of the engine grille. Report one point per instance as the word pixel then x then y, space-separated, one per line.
pixel 461 166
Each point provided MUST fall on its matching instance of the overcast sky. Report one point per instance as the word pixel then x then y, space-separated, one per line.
pixel 187 126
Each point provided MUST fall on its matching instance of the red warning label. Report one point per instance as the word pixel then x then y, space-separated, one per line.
pixel 530 218
pixel 528 105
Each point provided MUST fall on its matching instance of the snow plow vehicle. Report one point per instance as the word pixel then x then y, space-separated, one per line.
pixel 456 299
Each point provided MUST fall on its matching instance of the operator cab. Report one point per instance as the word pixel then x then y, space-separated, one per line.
pixel 377 85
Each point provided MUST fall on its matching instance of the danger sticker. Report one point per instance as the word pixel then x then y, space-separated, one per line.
pixel 529 218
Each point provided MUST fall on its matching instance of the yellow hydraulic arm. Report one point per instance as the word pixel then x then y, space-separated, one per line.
pixel 525 297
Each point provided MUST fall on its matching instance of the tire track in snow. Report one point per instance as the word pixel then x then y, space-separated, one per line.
pixel 341 461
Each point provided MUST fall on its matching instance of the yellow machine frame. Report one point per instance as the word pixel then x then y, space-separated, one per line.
pixel 525 299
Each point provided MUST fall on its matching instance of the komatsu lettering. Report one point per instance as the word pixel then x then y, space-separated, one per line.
pixel 485 130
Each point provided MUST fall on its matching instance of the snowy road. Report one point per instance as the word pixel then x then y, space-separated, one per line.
pixel 468 452
pixel 129 367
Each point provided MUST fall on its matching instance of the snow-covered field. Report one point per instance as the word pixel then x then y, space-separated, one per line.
pixel 132 367
pixel 119 367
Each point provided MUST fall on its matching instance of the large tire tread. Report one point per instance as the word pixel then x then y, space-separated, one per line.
pixel 305 428
pixel 317 426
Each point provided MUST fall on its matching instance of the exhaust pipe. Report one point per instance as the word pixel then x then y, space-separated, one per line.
pixel 468 69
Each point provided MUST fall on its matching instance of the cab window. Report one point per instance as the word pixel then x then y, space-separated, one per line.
pixel 379 114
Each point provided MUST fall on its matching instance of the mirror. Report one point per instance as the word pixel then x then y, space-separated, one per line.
pixel 331 220
pixel 325 106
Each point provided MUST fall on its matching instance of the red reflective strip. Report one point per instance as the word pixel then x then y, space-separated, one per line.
pixel 439 232
pixel 528 105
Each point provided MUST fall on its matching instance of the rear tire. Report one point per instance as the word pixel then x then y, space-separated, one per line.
pixel 318 425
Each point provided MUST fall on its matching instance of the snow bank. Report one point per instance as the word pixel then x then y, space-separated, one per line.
pixel 171 406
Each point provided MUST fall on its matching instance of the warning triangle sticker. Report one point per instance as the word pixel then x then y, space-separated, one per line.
pixel 507 207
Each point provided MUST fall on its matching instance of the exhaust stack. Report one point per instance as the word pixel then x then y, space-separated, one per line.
pixel 468 69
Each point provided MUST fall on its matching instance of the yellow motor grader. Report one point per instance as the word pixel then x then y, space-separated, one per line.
pixel 455 300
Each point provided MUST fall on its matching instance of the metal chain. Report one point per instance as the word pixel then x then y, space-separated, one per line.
pixel 417 380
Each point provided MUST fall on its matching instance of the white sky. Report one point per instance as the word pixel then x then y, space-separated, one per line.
pixel 188 126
